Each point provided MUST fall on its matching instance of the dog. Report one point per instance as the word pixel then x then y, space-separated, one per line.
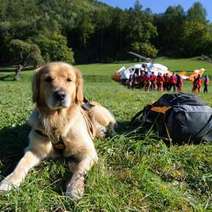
pixel 62 123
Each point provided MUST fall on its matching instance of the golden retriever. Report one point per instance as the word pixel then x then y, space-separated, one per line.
pixel 62 123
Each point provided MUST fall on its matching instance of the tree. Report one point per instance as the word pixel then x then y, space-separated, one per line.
pixel 96 32
pixel 194 37
pixel 195 31
pixel 197 13
pixel 170 30
pixel 145 48
pixel 25 53
pixel 54 48
pixel 140 30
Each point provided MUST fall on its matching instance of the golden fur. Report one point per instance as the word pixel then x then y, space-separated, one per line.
pixel 58 116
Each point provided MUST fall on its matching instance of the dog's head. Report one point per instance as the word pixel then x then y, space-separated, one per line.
pixel 57 85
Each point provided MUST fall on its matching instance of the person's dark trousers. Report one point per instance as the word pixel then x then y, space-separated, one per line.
pixel 173 86
pixel 205 89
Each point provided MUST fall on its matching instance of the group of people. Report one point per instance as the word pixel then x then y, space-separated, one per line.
pixel 197 84
pixel 149 81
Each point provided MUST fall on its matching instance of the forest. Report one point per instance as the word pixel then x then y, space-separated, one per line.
pixel 87 31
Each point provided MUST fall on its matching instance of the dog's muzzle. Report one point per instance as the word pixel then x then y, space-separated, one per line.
pixel 59 96
pixel 59 99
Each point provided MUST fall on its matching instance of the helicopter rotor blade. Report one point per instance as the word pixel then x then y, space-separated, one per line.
pixel 140 56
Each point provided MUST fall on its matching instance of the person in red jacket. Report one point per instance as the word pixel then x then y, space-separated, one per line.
pixel 153 80
pixel 197 84
pixel 179 83
pixel 147 82
pixel 173 82
pixel 166 81
pixel 141 79
pixel 160 81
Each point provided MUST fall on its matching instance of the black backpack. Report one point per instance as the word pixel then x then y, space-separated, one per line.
pixel 179 118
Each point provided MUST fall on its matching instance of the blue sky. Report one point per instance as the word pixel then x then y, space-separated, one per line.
pixel 159 6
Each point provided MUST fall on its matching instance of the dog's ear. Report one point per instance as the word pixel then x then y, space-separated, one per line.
pixel 35 85
pixel 79 87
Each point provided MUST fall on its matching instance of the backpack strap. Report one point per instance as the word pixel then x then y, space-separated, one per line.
pixel 160 109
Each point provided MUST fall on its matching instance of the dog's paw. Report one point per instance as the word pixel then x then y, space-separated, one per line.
pixel 75 194
pixel 101 132
pixel 75 189
pixel 5 185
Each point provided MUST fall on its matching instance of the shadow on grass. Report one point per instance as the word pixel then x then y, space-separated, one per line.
pixel 8 77
pixel 12 143
pixel 11 69
pixel 8 73
pixel 122 127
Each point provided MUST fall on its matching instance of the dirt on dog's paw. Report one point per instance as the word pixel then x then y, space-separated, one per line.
pixel 75 189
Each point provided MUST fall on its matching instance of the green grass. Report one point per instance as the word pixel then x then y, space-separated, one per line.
pixel 131 175
pixel 188 64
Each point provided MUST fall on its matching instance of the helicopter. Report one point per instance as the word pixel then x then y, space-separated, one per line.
pixel 124 72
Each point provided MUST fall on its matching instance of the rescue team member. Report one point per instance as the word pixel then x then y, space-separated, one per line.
pixel 173 81
pixel 206 83
pixel 153 80
pixel 147 82
pixel 166 84
pixel 179 83
pixel 160 81
pixel 197 84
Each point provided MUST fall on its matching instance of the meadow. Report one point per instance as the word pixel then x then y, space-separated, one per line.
pixel 131 175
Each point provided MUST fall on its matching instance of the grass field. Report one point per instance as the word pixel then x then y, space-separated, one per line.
pixel 132 174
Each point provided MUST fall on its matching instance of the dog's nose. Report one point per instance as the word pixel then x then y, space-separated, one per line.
pixel 60 95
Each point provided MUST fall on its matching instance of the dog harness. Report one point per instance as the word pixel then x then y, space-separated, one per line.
pixel 58 144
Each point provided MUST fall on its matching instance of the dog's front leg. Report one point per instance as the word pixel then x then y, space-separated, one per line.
pixel 75 187
pixel 38 149
pixel 28 161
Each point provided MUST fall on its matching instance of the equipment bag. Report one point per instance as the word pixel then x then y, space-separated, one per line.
pixel 179 118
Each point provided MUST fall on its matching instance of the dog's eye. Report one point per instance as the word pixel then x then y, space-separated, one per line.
pixel 69 80
pixel 49 79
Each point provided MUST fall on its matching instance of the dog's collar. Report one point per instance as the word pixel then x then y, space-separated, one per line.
pixel 39 132
pixel 86 105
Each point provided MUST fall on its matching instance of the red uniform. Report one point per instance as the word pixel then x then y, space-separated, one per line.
pixel 166 82
pixel 173 82
pixel 147 82
pixel 153 80
pixel 160 81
